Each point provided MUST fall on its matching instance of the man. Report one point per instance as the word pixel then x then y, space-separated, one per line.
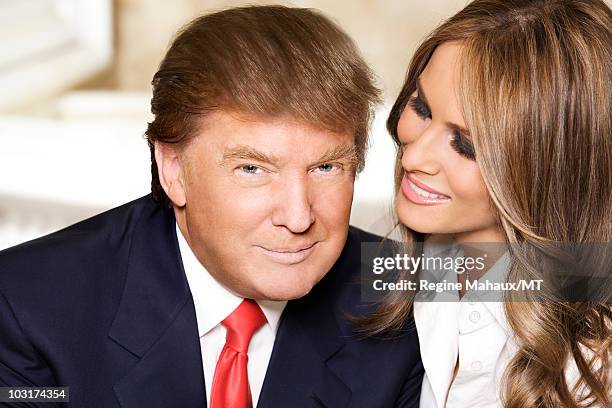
pixel 232 285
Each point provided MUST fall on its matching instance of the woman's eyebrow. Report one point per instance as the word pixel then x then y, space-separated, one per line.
pixel 463 131
pixel 420 92
pixel 450 125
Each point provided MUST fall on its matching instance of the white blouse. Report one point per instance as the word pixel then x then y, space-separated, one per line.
pixel 471 332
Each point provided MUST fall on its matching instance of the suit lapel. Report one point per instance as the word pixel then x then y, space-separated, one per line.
pixel 170 373
pixel 156 320
pixel 300 372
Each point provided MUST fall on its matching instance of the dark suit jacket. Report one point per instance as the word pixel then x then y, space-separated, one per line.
pixel 104 308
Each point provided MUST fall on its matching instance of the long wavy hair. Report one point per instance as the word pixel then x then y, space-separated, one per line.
pixel 535 94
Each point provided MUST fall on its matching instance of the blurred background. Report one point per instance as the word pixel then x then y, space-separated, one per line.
pixel 75 89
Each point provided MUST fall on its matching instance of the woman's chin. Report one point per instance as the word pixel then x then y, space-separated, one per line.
pixel 419 227
pixel 415 219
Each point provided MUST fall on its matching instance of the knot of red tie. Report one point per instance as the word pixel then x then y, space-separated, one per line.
pixel 242 323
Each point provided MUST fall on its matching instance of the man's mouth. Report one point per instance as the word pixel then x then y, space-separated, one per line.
pixel 288 255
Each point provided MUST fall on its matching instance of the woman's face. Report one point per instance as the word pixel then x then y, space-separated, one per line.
pixel 442 190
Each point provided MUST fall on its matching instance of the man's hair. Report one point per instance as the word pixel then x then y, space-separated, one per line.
pixel 268 61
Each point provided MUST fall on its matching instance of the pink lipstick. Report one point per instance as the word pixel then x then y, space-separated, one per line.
pixel 419 193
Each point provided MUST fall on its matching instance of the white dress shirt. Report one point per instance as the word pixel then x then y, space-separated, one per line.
pixel 473 333
pixel 213 303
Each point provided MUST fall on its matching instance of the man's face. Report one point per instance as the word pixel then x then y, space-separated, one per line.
pixel 267 202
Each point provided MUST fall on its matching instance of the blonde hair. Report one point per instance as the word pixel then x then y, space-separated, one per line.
pixel 535 94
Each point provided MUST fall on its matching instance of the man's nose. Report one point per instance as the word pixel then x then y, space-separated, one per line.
pixel 293 209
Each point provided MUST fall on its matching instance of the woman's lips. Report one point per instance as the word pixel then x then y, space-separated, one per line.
pixel 288 256
pixel 421 194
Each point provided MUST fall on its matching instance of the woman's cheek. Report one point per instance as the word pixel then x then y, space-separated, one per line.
pixel 468 188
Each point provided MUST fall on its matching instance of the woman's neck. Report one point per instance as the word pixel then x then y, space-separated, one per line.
pixel 485 244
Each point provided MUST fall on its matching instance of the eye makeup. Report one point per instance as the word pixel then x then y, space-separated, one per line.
pixel 462 146
pixel 458 142
pixel 419 107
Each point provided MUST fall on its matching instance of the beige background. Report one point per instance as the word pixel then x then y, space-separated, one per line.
pixel 385 31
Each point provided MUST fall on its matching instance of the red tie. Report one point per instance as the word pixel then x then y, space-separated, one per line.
pixel 230 387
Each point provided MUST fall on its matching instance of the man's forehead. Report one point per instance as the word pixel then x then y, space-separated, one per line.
pixel 248 121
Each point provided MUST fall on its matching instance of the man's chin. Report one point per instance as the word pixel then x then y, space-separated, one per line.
pixel 284 291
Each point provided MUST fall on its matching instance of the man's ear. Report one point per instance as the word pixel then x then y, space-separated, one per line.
pixel 170 170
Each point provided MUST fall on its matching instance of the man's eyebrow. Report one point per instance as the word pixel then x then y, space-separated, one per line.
pixel 450 125
pixel 342 152
pixel 247 153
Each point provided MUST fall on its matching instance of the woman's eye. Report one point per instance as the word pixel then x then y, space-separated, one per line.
pixel 463 146
pixel 419 107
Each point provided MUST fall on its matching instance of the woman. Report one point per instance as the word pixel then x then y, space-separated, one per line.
pixel 503 126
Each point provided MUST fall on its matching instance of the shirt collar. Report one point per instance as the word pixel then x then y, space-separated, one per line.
pixel 214 302
pixel 499 273
pixel 494 302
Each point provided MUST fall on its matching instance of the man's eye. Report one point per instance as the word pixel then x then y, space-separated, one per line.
pixel 326 168
pixel 250 169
